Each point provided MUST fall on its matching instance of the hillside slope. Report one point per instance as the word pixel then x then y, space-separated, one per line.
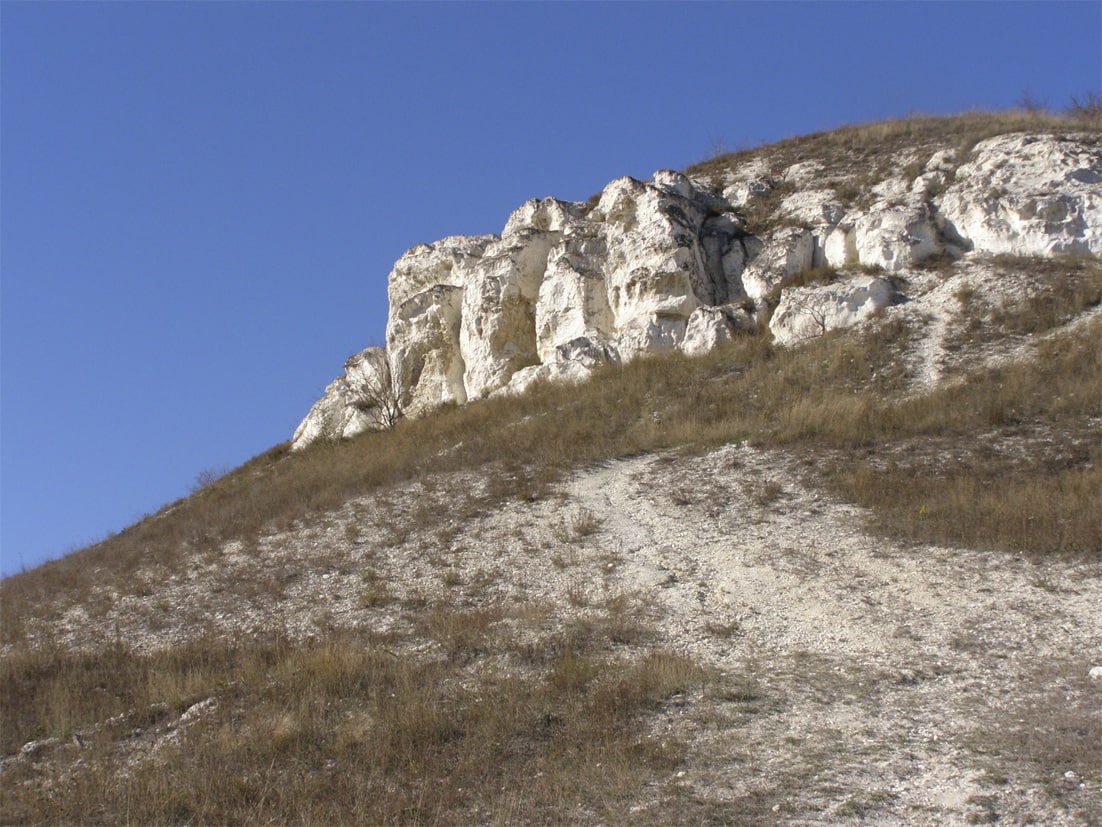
pixel 850 579
pixel 688 261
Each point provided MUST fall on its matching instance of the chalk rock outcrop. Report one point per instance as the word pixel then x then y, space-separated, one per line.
pixel 361 399
pixel 786 252
pixel 806 312
pixel 710 327
pixel 895 236
pixel 425 290
pixel 1029 194
pixel 672 263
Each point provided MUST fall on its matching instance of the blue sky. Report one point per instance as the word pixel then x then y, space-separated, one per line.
pixel 200 202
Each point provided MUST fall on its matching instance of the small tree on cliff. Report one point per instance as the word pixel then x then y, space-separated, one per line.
pixel 378 399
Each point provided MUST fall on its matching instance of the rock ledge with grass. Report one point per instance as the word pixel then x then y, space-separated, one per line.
pixel 687 261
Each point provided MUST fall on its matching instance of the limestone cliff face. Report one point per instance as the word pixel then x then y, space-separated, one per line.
pixel 678 262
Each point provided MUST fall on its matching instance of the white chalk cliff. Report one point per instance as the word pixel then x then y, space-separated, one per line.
pixel 676 262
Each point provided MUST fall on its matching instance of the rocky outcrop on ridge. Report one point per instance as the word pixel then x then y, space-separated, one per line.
pixel 354 402
pixel 685 262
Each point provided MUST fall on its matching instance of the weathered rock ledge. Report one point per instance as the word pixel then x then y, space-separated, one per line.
pixel 679 262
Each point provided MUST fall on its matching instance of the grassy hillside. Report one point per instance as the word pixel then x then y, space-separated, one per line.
pixel 842 393
pixel 490 713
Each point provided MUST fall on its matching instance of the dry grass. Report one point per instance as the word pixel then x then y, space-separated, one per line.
pixel 1057 290
pixel 760 212
pixel 841 391
pixel 51 693
pixel 998 505
pixel 1043 736
pixel 856 158
pixel 342 730
pixel 867 149
pixel 581 524
pixel 1039 494
pixel 478 727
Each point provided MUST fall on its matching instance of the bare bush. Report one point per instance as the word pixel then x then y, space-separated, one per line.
pixel 1087 108
pixel 379 400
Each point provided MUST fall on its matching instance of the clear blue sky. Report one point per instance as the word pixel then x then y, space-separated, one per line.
pixel 200 202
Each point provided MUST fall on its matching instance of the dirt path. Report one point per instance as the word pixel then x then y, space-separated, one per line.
pixel 871 681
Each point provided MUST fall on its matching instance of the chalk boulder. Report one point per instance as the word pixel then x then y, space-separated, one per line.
pixel 810 311
pixel 1029 195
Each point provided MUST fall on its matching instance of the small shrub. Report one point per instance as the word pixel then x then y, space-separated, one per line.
pixel 374 597
pixel 1087 108
pixel 577 593
pixel 207 478
pixel 760 212
pixel 681 494
pixel 728 630
pixel 451 578
pixel 941 263
pixel 581 524
pixel 584 523
pixel 769 493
